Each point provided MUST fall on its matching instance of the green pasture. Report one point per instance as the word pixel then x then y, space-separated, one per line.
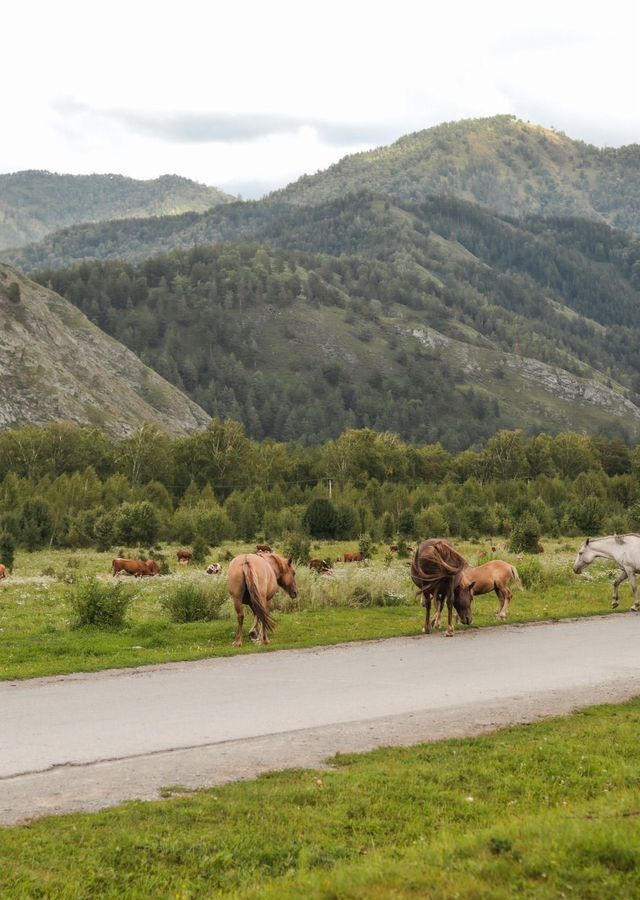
pixel 361 602
pixel 546 811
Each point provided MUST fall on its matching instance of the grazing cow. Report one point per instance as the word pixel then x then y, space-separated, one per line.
pixel 253 580
pixel 493 576
pixel 263 548
pixel 136 567
pixel 184 556
pixel 353 557
pixel 320 565
pixel 214 569
pixel 3 571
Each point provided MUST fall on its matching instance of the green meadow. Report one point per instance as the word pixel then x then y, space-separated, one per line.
pixel 359 602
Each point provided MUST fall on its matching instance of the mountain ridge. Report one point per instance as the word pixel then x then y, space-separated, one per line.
pixel 34 202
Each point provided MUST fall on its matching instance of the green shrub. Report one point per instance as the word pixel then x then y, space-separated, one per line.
pixel 7 549
pixel 321 518
pixel 48 572
pixel 365 546
pixel 525 536
pixel 191 602
pixel 297 547
pixel 101 605
pixel 531 572
pixel 200 550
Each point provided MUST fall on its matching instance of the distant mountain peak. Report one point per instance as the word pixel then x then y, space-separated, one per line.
pixel 35 202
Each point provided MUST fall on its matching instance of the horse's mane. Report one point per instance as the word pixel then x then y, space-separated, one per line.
pixel 436 567
pixel 618 538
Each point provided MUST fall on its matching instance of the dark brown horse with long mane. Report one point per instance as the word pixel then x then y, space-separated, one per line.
pixel 253 580
pixel 436 569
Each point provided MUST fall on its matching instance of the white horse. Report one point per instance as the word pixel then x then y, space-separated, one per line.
pixel 623 549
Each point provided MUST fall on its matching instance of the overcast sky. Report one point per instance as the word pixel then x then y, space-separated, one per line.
pixel 249 94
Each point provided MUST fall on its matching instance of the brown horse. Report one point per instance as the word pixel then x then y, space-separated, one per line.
pixel 253 580
pixel 436 569
pixel 493 576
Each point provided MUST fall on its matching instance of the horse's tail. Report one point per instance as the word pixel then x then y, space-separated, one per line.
pixel 258 608
pixel 516 578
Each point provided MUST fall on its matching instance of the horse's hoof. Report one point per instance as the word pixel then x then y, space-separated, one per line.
pixel 448 633
pixel 614 605
pixel 635 608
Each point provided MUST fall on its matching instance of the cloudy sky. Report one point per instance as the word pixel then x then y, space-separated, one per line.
pixel 249 94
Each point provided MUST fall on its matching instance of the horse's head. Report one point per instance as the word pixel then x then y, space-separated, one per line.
pixel 462 600
pixel 586 555
pixel 287 577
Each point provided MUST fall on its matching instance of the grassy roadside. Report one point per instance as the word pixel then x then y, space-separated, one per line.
pixel 377 601
pixel 549 810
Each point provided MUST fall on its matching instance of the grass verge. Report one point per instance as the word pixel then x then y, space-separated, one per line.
pixel 549 810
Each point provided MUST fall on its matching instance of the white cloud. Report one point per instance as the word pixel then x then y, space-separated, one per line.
pixel 248 92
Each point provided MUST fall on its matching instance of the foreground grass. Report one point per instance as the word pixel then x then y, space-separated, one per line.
pixel 36 637
pixel 549 810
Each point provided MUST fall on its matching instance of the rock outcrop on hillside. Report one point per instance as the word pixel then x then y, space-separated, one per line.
pixel 56 365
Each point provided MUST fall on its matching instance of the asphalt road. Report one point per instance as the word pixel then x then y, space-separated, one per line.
pixel 91 741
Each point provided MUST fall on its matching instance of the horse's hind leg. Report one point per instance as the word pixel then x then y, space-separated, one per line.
pixel 240 615
pixel 504 596
pixel 616 585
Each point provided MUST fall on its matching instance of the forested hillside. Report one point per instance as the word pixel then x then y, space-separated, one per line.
pixel 34 203
pixel 57 365
pixel 502 163
pixel 439 321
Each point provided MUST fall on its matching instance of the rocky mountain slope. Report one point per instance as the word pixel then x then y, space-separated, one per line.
pixel 56 365
pixel 35 203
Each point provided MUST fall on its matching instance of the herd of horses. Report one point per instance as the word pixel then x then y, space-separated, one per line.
pixel 441 574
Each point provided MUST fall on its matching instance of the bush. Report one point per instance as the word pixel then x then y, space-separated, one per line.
pixel 525 536
pixel 297 547
pixel 7 549
pixel 137 522
pixel 365 546
pixel 531 573
pixel 101 605
pixel 191 602
pixel 103 531
pixel 321 518
pixel 200 550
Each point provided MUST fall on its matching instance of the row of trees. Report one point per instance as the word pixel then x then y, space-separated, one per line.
pixel 69 486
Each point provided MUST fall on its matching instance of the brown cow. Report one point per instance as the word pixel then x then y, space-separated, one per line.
pixel 493 576
pixel 136 567
pixel 184 556
pixel 353 557
pixel 320 565
pixel 3 571
pixel 263 548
